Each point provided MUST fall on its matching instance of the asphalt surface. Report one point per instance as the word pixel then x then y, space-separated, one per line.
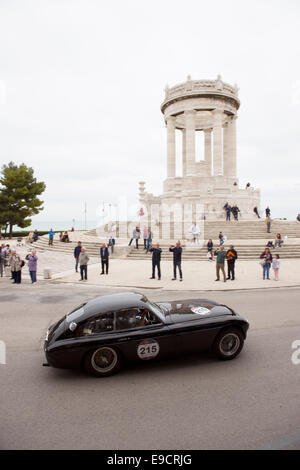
pixel 195 402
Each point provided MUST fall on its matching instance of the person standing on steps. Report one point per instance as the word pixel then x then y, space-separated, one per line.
pixel 111 243
pixel 145 236
pixel 104 254
pixel 228 212
pixel 231 257
pixel 210 250
pixel 83 262
pixel 221 238
pixel 156 257
pixel 235 211
pixel 225 208
pixel 255 210
pixel 149 239
pixel 77 251
pixel 135 236
pixel 177 252
pixel 268 223
pixel 221 256
pixel 51 236
pixel 195 232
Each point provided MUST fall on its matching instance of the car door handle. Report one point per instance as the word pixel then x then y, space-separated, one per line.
pixel 123 339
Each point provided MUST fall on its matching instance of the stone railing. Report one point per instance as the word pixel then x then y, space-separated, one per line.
pixel 191 87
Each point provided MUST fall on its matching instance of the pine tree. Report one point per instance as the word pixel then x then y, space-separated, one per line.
pixel 19 191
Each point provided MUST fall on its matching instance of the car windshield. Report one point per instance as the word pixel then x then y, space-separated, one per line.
pixel 156 309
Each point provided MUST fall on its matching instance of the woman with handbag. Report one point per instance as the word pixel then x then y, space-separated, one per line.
pixel 16 265
pixel 266 261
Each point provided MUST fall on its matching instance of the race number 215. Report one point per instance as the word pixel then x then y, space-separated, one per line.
pixel 296 354
pixel 2 352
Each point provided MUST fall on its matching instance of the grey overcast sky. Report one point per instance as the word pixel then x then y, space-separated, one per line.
pixel 81 83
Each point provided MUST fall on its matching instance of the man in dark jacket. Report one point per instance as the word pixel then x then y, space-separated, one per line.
pixel 35 236
pixel 104 254
pixel 77 251
pixel 228 212
pixel 231 256
pixel 177 251
pixel 255 210
pixel 111 243
pixel 156 256
pixel 235 211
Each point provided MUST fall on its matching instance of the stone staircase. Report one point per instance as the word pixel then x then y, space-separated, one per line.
pixel 200 254
pixel 241 230
pixel 42 244
pixel 234 230
pixel 248 237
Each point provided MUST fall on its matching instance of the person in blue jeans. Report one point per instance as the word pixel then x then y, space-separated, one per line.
pixel 51 236
pixel 267 257
pixel 177 252
pixel 32 265
pixel 77 251
pixel 149 240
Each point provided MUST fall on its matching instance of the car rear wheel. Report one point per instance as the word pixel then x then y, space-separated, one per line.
pixel 228 344
pixel 102 362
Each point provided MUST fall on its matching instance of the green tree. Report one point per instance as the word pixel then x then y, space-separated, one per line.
pixel 19 191
pixel 3 213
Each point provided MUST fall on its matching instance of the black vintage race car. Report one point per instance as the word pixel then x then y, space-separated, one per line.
pixel 100 334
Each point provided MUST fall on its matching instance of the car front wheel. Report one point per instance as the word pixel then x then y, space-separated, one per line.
pixel 228 344
pixel 102 362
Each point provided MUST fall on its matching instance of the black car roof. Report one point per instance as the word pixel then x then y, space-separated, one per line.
pixel 111 302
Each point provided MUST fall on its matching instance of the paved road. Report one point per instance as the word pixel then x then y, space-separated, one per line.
pixel 190 403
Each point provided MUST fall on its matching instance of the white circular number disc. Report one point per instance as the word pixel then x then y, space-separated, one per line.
pixel 200 310
pixel 148 349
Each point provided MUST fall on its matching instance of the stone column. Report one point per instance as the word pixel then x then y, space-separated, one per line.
pixel 190 141
pixel 230 167
pixel 183 152
pixel 171 148
pixel 207 149
pixel 218 154
pixel 225 148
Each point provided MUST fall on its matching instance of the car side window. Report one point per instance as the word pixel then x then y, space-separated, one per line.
pixel 99 324
pixel 135 318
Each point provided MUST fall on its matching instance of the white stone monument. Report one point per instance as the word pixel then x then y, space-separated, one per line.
pixel 208 106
